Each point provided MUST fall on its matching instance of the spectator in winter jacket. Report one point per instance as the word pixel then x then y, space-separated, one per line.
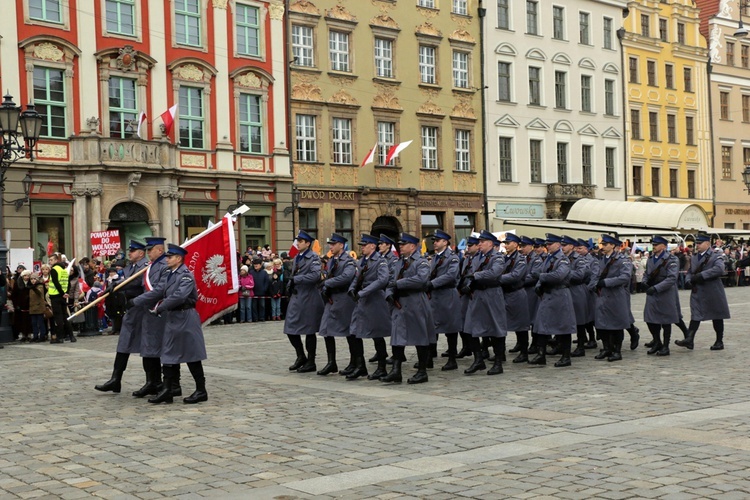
pixel 275 291
pixel 260 290
pixel 247 283
pixel 37 306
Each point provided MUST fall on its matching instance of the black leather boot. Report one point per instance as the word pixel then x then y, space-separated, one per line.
pixel 664 351
pixel 465 346
pixel 478 363
pixel 379 372
pixel 516 348
pixel 350 367
pixel 151 387
pixel 523 357
pixel 688 341
pixel 540 359
pixel 616 348
pixel 360 369
pixel 301 360
pixel 719 344
pixel 165 395
pixel 655 345
pixel 331 366
pixel 395 373
pixel 423 353
pixel 634 337
pixel 113 384
pixel 451 364
pixel 199 395
pixel 373 359
pixel 606 351
pixel 565 359
pixel 308 367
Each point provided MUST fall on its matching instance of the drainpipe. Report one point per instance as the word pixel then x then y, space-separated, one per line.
pixel 288 89
pixel 482 12
pixel 709 70
pixel 625 109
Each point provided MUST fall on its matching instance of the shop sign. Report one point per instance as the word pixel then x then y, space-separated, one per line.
pixel 519 210
pixel 321 195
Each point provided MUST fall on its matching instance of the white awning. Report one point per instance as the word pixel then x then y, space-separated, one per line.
pixel 683 217
pixel 537 228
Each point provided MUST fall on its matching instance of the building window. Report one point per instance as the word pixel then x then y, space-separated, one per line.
pixel 384 58
pixel 637 176
pixel 730 53
pixel 460 7
pixel 251 124
pixel 46 10
pixel 635 124
pixel 653 126
pixel 430 221
pixel 430 148
pixel 681 33
pixel 338 50
pixel 344 224
pixel 505 159
pixel 746 157
pixel 607 32
pixel 121 16
pixel 535 160
pixel 305 137
pixel 609 97
pixel 427 64
pixel 560 90
pixel 724 105
pixel 726 162
pixel 191 117
pixel 49 99
pixel 532 17
pixel 655 181
pixel 651 73
pixel 585 93
pixel 308 221
pixel 558 23
pixel 633 70
pixel 463 225
pixel 584 28
pixel 672 129
pixel 663 32
pixel 503 14
pixel 463 150
pixel 386 140
pixel 586 151
pixel 341 134
pixel 673 183
pixel 689 135
pixel 248 30
pixel 503 81
pixel 691 183
pixel 669 76
pixel 535 86
pixel 745 55
pixel 302 46
pixel 687 74
pixel 645 25
pixel 562 162
pixel 609 164
pixel 123 107
pixel 460 69
pixel 430 4
pixel 187 20
pixel 746 108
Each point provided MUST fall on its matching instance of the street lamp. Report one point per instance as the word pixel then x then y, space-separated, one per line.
pixel 742 32
pixel 14 146
pixel 746 176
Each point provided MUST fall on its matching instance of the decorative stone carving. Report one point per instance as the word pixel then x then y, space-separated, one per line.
pixel 383 5
pixel 308 174
pixel 386 98
pixel 344 176
pixel 126 58
pixel 428 13
pixel 192 160
pixel 384 21
pixel 189 72
pixel 461 21
pixel 429 93
pixel 430 108
pixel 466 183
pixel 341 13
pixel 53 151
pixel 432 181
pixel 461 35
pixel 428 29
pixel 133 179
pixel 387 178
pixel 463 110
pixel 252 164
pixel 276 11
pixel 220 4
pixel 725 10
pixel 170 193
pixel 304 7
pixel 93 124
pixel 714 44
pixel 306 92
pixel 342 81
pixel 250 80
pixel 48 51
pixel 344 98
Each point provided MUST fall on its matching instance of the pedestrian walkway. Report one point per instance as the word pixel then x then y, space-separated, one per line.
pixel 646 427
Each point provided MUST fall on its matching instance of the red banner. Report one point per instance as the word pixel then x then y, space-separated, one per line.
pixel 104 242
pixel 212 257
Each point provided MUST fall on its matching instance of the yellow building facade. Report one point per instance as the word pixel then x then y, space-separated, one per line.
pixel 667 96
pixel 378 73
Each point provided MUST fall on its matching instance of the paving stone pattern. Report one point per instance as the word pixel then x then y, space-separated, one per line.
pixel 647 427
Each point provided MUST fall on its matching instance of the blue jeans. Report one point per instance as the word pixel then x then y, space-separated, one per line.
pixel 276 307
pixel 259 309
pixel 246 309
pixel 38 326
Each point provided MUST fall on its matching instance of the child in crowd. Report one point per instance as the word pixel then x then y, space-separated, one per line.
pixel 37 306
pixel 275 291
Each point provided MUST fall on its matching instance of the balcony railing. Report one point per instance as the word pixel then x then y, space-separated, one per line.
pixel 96 150
pixel 570 192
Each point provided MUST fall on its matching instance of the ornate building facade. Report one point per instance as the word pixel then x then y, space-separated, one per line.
pixel 92 67
pixel 377 73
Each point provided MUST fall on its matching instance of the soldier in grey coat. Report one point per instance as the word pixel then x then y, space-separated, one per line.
pixel 580 275
pixel 411 319
pixel 337 313
pixel 532 266
pixel 555 315
pixel 662 302
pixel 465 270
pixel 584 251
pixel 444 299
pixel 371 318
pixel 305 307
pixel 129 341
pixel 485 316
pixel 612 285
pixel 385 249
pixel 708 300
pixel 512 282
pixel 174 299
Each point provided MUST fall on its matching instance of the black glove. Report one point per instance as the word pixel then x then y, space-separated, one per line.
pixel 129 304
pixel 429 287
pixel 290 288
pixel 110 287
pixel 698 278
pixel 600 284
pixel 390 299
pixel 353 295
pixel 325 293
pixel 651 291
pixel 539 291
pixel 575 281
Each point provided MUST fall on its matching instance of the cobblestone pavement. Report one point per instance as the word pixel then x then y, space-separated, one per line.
pixel 646 427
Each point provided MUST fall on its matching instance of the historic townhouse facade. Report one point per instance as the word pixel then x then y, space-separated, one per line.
pixel 92 66
pixel 554 105
pixel 729 56
pixel 378 73
pixel 668 122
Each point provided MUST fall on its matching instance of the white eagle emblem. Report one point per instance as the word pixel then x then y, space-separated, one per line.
pixel 215 272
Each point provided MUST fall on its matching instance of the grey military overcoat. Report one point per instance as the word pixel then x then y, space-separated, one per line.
pixel 444 300
pixel 485 316
pixel 533 269
pixel 593 264
pixel 412 323
pixel 152 332
pixel 663 307
pixel 305 305
pixel 613 301
pixel 464 300
pixel 708 300
pixel 130 331
pixel 516 300
pixel 371 317
pixel 555 315
pixel 580 274
pixel 337 312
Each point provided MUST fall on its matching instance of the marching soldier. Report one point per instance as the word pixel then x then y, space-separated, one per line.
pixel 555 314
pixel 580 274
pixel 472 248
pixel 385 249
pixel 411 317
pixel 129 341
pixel 371 318
pixel 540 250
pixel 533 268
pixel 512 282
pixel 612 286
pixel 584 251
pixel 662 302
pixel 444 300
pixel 305 308
pixel 708 300
pixel 485 316
pixel 174 299
pixel 337 312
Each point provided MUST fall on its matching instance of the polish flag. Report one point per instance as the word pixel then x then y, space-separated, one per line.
pixel 168 118
pixel 294 250
pixel 141 121
pixel 370 156
pixel 395 150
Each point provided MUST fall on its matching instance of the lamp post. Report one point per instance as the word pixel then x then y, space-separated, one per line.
pixel 742 32
pixel 14 146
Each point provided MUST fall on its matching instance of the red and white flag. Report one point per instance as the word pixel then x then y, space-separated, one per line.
pixel 395 150
pixel 212 256
pixel 294 250
pixel 168 118
pixel 141 121
pixel 370 156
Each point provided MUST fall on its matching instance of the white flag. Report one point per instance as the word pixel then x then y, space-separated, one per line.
pixel 141 121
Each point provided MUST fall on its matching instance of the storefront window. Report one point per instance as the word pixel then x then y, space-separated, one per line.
pixel 256 227
pixel 196 218
pixel 344 225
pixel 308 221
pixel 431 222
pixel 51 228
pixel 464 224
